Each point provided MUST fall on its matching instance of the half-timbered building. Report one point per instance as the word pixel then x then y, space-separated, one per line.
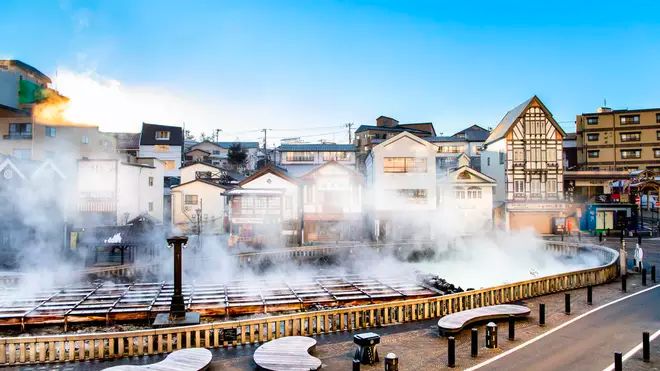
pixel 524 155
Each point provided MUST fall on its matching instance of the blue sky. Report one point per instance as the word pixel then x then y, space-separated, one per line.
pixel 296 65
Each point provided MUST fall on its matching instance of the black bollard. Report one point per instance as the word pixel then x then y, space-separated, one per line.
pixel 512 328
pixel 618 362
pixel 567 303
pixel 356 365
pixel 623 283
pixel 589 295
pixel 562 235
pixel 600 236
pixel 474 344
pixel 491 335
pixel 646 347
pixel 639 239
pixel 541 314
pixel 653 274
pixel 451 351
pixel 643 276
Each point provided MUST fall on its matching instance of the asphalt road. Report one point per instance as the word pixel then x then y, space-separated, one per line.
pixel 589 343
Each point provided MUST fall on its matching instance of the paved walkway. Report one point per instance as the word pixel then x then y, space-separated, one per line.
pixel 589 342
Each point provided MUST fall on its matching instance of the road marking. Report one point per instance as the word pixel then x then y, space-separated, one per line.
pixel 533 340
pixel 633 351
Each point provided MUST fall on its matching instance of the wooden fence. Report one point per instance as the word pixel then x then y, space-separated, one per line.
pixel 82 347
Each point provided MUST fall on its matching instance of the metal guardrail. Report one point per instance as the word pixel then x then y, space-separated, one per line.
pixel 84 347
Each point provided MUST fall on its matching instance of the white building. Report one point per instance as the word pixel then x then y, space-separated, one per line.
pixel 301 158
pixel 401 187
pixel 524 156
pixel 468 141
pixel 217 153
pixel 468 195
pixel 112 192
pixel 166 144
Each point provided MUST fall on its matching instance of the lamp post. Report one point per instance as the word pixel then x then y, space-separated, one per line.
pixel 177 315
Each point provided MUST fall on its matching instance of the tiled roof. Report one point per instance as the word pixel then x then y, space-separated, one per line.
pixel 443 139
pixel 148 136
pixel 474 133
pixel 316 147
pixel 395 129
pixel 508 120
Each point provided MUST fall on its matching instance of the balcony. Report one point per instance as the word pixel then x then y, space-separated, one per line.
pixel 18 136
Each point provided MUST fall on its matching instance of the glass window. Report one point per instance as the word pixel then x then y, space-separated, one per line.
pixel 20 131
pixel 631 153
pixel 487 161
pixel 163 135
pixel 551 186
pixel 656 152
pixel 300 156
pixel 151 181
pixel 592 137
pixel 657 135
pixel 450 149
pixel 630 137
pixel 552 155
pixel 518 154
pixel 84 139
pixel 629 119
pixel 335 156
pixel 657 118
pixel 519 186
pixel 501 158
pixel 474 193
pixel 460 194
pixel 151 206
pixel 50 131
pixel 592 120
pixel 169 164
pixel 404 165
pixel 161 148
pixel 536 186
pixel 593 154
pixel 191 199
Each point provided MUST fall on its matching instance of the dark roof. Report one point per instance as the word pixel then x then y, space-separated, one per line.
pixel 14 110
pixel 127 140
pixel 474 133
pixel 148 135
pixel 570 136
pixel 27 67
pixel 247 145
pixel 395 129
pixel 425 126
pixel 317 147
pixel 443 139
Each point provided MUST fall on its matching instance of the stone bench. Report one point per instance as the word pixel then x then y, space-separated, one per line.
pixel 194 359
pixel 455 322
pixel 289 353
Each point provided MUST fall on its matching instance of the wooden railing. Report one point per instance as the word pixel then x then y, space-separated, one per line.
pixel 82 347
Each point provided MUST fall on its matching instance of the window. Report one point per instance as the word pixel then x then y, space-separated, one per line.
pixel 592 120
pixel 203 174
pixel 593 154
pixel 592 137
pixel 488 161
pixel 169 164
pixel 216 152
pixel 657 135
pixel 536 186
pixel 161 148
pixel 19 131
pixel 519 186
pixel 163 135
pixel 460 194
pixel 260 202
pixel 450 149
pixel 629 119
pixel 50 131
pixel 151 206
pixel 631 153
pixel 191 200
pixel 474 193
pixel 551 186
pixel 151 181
pixel 518 155
pixel 247 202
pixel 84 139
pixel 552 155
pixel 501 158
pixel 300 156
pixel 657 118
pixel 335 156
pixel 656 152
pixel 630 137
pixel 404 165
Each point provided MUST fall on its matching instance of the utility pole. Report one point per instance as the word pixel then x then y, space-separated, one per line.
pixel 265 142
pixel 349 126
pixel 217 134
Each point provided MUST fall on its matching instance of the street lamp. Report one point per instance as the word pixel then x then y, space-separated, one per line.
pixel 177 315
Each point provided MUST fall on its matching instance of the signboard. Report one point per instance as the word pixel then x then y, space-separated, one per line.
pixel 529 206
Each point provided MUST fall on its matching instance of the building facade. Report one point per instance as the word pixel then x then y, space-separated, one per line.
pixel 619 139
pixel 367 136
pixel 217 153
pixel 468 141
pixel 524 156
pixel 299 159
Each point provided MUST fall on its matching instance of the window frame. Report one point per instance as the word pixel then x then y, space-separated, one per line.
pixel 418 165
pixel 626 157
pixel 634 119
pixel 590 139
pixel 592 120
pixel 590 152
pixel 159 135
pixel 191 199
pixel 638 135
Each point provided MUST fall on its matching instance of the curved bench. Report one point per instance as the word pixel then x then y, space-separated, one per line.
pixel 193 359
pixel 288 353
pixel 455 322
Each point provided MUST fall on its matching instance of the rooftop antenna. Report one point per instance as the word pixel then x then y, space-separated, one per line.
pixel 604 102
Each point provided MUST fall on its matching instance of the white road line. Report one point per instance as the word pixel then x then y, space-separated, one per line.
pixel 633 351
pixel 533 340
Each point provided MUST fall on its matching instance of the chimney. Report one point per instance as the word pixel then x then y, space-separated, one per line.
pixel 386 121
pixel 603 109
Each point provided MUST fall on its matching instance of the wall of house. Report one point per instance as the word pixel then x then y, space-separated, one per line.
pixel 333 190
pixel 491 166
pixel 209 199
pixel 291 195
pixel 134 192
pixel 165 153
pixel 189 173
pixel 477 213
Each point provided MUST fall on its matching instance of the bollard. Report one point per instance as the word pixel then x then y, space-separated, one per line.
pixel 567 303
pixel 356 365
pixel 451 351
pixel 391 362
pixel 474 344
pixel 512 328
pixel 562 235
pixel 646 347
pixel 653 274
pixel 639 239
pixel 541 314
pixel 643 276
pixel 589 295
pixel 623 283
pixel 491 335
pixel 618 362
pixel 600 236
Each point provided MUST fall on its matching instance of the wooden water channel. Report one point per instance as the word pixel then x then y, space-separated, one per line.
pixel 78 347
